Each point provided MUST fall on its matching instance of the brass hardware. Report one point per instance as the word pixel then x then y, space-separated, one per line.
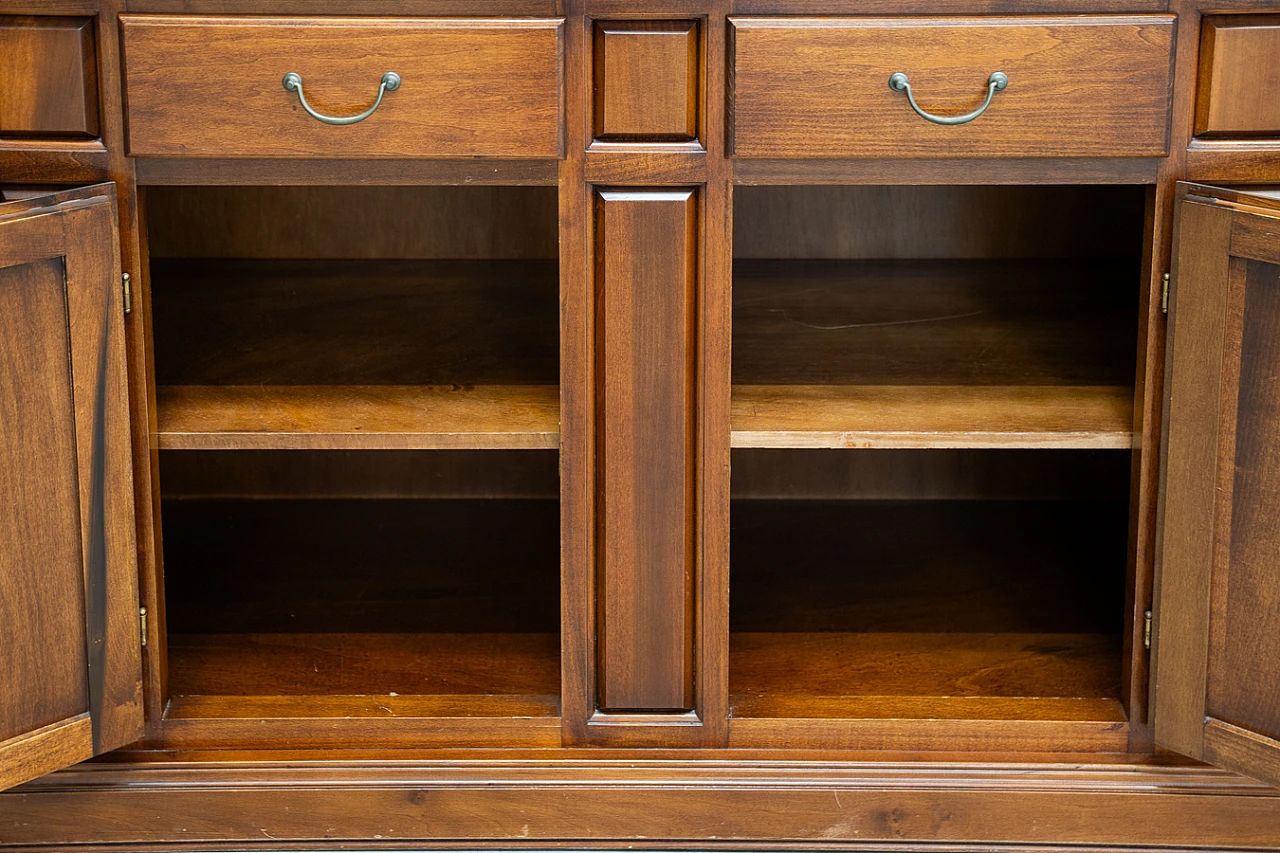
pixel 127 281
pixel 1146 630
pixel 293 83
pixel 998 80
pixel 142 620
pixel 1164 294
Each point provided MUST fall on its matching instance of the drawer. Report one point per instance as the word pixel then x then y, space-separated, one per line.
pixel 48 77
pixel 213 87
pixel 1095 86
pixel 1239 76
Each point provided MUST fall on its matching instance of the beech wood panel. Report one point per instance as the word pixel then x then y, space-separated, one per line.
pixel 887 416
pixel 1216 697
pixel 646 291
pixel 647 80
pixel 211 86
pixel 72 673
pixel 1239 75
pixel 48 77
pixel 362 417
pixel 1093 86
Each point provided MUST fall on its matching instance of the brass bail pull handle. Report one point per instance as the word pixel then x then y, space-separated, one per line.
pixel 293 83
pixel 996 82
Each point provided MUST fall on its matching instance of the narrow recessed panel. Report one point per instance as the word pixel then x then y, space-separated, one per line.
pixel 1239 75
pixel 48 77
pixel 645 309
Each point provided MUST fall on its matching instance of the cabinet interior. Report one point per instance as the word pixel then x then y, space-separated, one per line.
pixel 932 423
pixel 357 394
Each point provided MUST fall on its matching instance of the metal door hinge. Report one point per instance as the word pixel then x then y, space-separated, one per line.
pixel 127 281
pixel 1164 294
pixel 142 622
pixel 1146 630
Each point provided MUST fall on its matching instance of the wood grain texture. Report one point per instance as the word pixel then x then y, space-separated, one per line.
pixel 934 323
pixel 228 322
pixel 344 664
pixel 352 222
pixel 37 753
pixel 958 171
pixel 647 80
pixel 647 261
pixel 47 161
pixel 932 416
pixel 44 602
pixel 1239 73
pixel 48 76
pixel 178 171
pixel 1084 86
pixel 888 800
pixel 776 674
pixel 1243 688
pixel 210 87
pixel 949 222
pixel 361 417
pixel 73 647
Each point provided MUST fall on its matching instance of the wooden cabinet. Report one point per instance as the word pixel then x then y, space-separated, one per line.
pixel 644 427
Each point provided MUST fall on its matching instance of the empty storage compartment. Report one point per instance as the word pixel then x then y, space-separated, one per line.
pixel 935 316
pixel 356 317
pixel 358 422
pixel 425 582
pixel 933 428
pixel 959 584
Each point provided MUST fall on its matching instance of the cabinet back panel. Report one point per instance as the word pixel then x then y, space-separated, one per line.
pixel 353 222
pixel 863 222
pixel 361 474
pixel 361 566
pixel 929 566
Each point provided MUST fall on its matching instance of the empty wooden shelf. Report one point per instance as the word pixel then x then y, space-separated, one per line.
pixel 357 417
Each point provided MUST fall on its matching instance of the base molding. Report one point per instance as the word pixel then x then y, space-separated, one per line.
pixel 656 803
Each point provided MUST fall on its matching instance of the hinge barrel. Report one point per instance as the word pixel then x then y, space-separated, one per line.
pixel 1164 294
pixel 127 281
pixel 1146 630
pixel 142 624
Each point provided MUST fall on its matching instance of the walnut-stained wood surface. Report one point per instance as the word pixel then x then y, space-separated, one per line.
pixel 938 323
pixel 357 417
pixel 646 291
pixel 346 322
pixel 847 675
pixel 211 86
pixel 647 80
pixel 342 664
pixel 49 77
pixel 931 416
pixel 1078 86
pixel 1239 75
pixel 71 682
pixel 1216 693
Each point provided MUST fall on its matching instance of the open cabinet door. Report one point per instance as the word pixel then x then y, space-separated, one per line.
pixel 70 656
pixel 1216 651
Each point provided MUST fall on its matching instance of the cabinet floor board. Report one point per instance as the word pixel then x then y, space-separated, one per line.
pixel 328 665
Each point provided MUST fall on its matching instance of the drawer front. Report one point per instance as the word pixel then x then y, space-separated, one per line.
pixel 213 87
pixel 1239 77
pixel 48 77
pixel 1077 87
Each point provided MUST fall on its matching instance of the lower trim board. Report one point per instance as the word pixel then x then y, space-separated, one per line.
pixel 585 801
